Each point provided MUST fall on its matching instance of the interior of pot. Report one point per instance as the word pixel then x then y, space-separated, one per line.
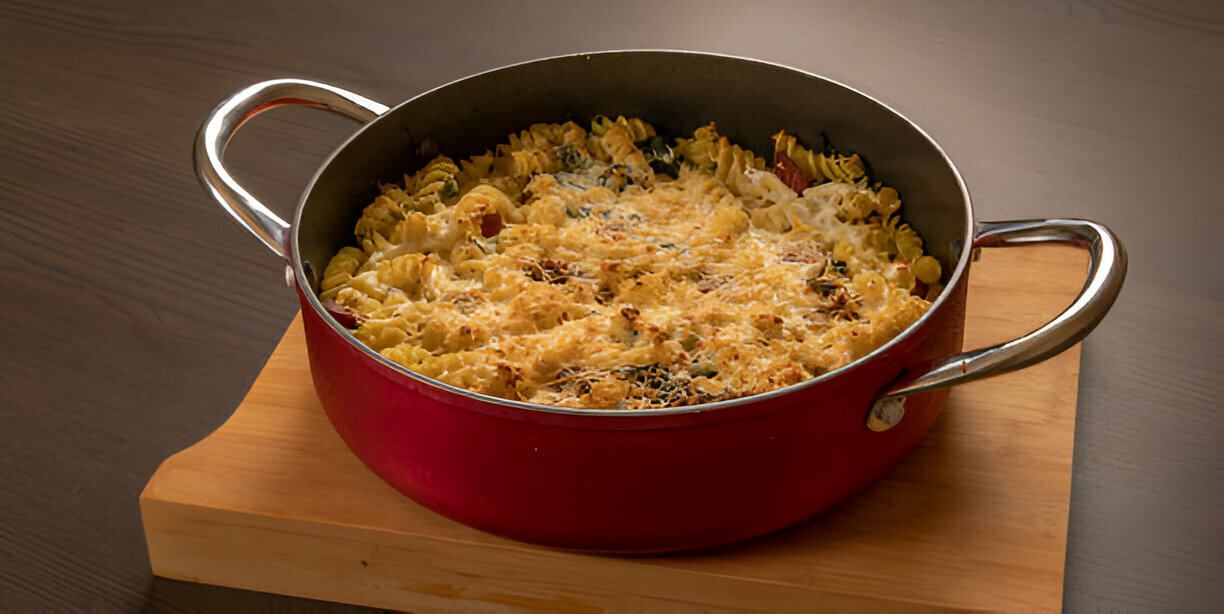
pixel 675 91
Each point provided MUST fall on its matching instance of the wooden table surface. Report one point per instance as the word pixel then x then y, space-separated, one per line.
pixel 136 315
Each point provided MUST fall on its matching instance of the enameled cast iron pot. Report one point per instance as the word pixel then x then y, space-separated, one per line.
pixel 648 480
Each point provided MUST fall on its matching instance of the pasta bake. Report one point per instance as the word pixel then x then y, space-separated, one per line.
pixel 612 268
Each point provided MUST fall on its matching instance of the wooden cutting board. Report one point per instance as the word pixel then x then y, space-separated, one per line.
pixel 974 519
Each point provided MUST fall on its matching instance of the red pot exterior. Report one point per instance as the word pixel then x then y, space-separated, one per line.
pixel 621 482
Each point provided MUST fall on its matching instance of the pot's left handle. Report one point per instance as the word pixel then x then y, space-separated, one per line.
pixel 225 120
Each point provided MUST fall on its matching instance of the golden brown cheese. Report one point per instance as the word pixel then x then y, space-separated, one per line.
pixel 563 269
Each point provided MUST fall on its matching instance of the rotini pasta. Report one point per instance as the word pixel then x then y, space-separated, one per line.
pixel 819 167
pixel 608 268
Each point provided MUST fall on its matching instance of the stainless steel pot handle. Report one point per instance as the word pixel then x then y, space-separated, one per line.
pixel 1106 270
pixel 225 120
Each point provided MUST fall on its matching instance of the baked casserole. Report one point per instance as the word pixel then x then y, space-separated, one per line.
pixel 613 268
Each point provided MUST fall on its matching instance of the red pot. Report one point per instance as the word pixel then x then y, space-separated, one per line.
pixel 647 480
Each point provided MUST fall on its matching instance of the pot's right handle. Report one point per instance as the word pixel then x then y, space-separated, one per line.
pixel 1106 270
pixel 225 120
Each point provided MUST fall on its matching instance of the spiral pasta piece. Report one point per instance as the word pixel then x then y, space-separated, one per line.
pixel 340 269
pixel 434 186
pixel 702 149
pixel 635 127
pixel 555 135
pixel 820 167
pixel 527 153
pixel 377 219
pixel 407 354
pixel 405 272
pixel 625 157
pixel 730 163
pixel 863 204
pixel 474 170
pixel 358 301
pixel 905 239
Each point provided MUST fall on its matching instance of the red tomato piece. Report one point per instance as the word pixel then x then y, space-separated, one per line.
pixel 789 172
pixel 344 316
pixel 490 225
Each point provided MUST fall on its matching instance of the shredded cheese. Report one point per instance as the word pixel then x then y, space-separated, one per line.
pixel 566 270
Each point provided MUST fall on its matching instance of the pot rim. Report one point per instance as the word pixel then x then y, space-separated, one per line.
pixel 302 281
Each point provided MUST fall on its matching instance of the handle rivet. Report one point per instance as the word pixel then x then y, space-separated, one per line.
pixel 886 413
pixel 289 276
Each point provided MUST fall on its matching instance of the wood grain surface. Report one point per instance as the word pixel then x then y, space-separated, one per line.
pixel 135 314
pixel 974 519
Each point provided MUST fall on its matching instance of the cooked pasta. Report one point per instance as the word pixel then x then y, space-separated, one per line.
pixel 819 167
pixel 611 269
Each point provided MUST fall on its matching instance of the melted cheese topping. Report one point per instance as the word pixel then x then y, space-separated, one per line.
pixel 582 278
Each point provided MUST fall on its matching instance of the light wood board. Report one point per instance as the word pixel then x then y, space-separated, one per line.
pixel 974 519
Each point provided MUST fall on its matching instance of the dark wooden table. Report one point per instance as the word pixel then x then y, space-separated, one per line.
pixel 135 314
